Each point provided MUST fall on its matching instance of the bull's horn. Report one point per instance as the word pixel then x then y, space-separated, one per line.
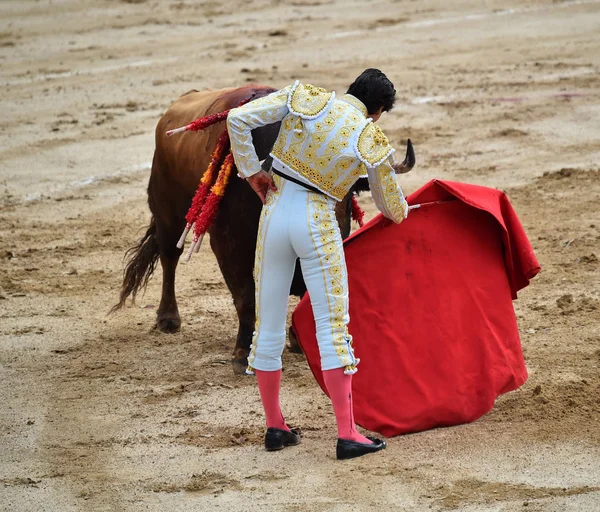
pixel 409 160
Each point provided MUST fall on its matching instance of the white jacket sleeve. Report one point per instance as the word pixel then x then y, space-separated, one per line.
pixel 386 192
pixel 242 120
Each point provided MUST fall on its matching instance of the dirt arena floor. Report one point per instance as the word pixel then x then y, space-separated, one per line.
pixel 102 413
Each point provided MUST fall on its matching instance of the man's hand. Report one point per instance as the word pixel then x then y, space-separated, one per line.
pixel 261 183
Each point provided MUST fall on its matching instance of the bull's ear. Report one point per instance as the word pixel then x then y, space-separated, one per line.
pixel 361 185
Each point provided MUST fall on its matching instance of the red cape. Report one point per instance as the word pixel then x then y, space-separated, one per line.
pixel 431 310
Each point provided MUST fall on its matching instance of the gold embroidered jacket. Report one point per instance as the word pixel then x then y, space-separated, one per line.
pixel 325 141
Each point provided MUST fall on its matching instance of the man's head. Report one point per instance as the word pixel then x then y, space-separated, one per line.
pixel 375 90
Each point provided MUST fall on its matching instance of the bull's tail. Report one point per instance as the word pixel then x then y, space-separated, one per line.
pixel 141 262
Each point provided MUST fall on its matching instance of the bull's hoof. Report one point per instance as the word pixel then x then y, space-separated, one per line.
pixel 239 366
pixel 239 361
pixel 294 346
pixel 168 323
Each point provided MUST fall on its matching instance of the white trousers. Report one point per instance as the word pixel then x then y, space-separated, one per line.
pixel 298 223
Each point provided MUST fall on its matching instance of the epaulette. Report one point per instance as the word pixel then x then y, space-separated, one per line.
pixel 307 101
pixel 372 146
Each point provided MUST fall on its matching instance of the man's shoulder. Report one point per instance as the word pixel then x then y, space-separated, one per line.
pixel 372 146
pixel 308 101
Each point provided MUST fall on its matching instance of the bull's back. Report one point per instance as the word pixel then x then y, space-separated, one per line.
pixel 186 156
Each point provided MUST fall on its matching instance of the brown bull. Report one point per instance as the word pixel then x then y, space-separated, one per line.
pixel 179 163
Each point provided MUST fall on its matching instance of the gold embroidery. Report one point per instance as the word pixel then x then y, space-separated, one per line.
pixel 322 153
pixel 328 246
pixel 351 177
pixel 265 217
pixel 373 145
pixel 387 194
pixel 308 100
pixel 355 102
pixel 315 177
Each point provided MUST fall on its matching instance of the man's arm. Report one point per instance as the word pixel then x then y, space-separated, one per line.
pixel 242 120
pixel 386 192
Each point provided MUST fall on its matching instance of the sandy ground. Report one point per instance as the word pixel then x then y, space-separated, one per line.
pixel 101 413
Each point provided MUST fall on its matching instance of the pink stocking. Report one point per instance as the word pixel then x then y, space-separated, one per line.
pixel 268 386
pixel 339 386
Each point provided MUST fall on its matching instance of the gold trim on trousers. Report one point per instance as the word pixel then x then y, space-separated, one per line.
pixel 298 223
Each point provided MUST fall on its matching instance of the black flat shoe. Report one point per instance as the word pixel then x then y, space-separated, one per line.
pixel 347 449
pixel 277 439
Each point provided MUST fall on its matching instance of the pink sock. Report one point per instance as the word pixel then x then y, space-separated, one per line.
pixel 339 386
pixel 268 386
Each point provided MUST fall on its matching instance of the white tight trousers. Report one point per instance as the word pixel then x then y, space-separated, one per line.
pixel 298 223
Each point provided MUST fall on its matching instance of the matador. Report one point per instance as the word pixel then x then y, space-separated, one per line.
pixel 324 145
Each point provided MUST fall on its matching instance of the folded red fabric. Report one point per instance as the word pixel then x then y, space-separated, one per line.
pixel 431 310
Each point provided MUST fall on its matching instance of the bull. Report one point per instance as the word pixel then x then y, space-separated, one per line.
pixel 177 167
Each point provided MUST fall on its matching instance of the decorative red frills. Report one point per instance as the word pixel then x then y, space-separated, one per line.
pixel 206 121
pixel 357 213
pixel 208 178
pixel 211 188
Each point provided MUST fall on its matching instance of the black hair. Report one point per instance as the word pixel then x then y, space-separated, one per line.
pixel 374 89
